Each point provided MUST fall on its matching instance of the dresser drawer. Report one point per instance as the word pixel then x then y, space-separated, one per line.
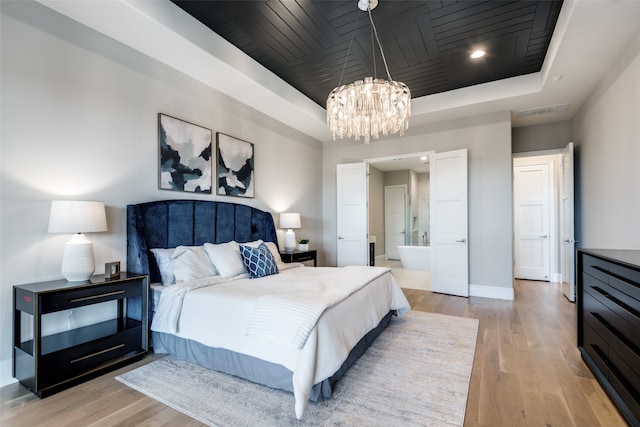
pixel 625 285
pixel 626 381
pixel 623 312
pixel 71 362
pixel 608 302
pixel 89 295
pixel 595 267
pixel 597 348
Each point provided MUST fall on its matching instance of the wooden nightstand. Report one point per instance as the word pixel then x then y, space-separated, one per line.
pixel 299 256
pixel 51 363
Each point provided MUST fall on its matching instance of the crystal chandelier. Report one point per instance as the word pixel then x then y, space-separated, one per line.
pixel 366 108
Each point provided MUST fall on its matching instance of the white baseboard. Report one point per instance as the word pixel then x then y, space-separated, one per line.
pixel 491 292
pixel 6 377
pixel 556 277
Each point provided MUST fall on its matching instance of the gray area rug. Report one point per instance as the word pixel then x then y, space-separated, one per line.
pixel 416 373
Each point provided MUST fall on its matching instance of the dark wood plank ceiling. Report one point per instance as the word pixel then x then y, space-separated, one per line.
pixel 426 43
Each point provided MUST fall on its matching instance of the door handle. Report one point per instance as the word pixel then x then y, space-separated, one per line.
pixel 340 238
pixel 544 237
pixel 461 241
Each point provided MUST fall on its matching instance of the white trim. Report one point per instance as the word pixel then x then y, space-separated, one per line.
pixel 6 376
pixel 538 153
pixel 495 292
pixel 374 160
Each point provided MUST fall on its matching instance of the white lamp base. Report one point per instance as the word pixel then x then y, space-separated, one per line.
pixel 78 264
pixel 289 241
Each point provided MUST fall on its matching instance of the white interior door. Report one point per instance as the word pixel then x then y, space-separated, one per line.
pixel 394 219
pixel 532 219
pixel 352 221
pixel 567 230
pixel 449 223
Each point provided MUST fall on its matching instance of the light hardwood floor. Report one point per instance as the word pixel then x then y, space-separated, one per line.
pixel 527 372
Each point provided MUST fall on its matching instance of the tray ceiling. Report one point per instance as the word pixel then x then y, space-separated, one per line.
pixel 426 43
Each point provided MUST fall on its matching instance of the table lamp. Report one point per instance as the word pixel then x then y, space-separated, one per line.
pixel 77 217
pixel 289 221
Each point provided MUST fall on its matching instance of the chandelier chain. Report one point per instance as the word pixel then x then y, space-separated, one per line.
pixel 346 58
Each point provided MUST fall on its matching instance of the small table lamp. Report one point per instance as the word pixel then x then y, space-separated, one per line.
pixel 289 220
pixel 77 217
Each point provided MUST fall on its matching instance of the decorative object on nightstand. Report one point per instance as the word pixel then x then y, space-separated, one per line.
pixel 77 217
pixel 112 270
pixel 290 220
pixel 303 244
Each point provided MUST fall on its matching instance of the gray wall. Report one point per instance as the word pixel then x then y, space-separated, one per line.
pixel 606 132
pixel 79 121
pixel 397 178
pixel 549 136
pixel 488 140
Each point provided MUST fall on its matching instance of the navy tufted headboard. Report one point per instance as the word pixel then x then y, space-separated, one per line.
pixel 171 223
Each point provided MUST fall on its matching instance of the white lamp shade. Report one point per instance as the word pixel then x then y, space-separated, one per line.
pixel 70 216
pixel 79 217
pixel 289 220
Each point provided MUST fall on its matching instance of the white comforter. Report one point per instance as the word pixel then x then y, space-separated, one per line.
pixel 311 339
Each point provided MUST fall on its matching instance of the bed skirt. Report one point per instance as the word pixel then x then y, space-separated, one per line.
pixel 257 370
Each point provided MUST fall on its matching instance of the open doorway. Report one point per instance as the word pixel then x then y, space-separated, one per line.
pixel 447 256
pixel 543 217
pixel 399 214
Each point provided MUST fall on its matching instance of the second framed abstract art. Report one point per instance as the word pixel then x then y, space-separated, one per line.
pixel 234 167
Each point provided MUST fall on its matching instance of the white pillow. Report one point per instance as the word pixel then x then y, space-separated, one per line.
pixel 226 258
pixel 273 248
pixel 192 262
pixel 165 264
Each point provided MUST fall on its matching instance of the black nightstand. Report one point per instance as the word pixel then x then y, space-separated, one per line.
pixel 299 256
pixel 51 363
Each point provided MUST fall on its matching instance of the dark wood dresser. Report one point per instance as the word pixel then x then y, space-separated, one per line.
pixel 609 323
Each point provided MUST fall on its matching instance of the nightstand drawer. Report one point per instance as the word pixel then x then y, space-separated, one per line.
pixel 70 362
pixel 89 295
pixel 306 257
pixel 300 256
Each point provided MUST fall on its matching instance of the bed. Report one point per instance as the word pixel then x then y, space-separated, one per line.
pixel 287 326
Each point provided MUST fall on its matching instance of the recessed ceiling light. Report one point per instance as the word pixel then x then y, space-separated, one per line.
pixel 478 54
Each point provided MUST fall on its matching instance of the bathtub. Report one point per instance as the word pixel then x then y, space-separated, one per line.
pixel 415 257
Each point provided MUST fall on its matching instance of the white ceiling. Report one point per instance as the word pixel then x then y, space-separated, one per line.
pixel 589 36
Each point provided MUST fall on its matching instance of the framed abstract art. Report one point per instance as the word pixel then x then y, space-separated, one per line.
pixel 234 167
pixel 185 155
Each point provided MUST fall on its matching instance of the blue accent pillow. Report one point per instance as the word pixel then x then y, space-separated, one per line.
pixel 259 261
